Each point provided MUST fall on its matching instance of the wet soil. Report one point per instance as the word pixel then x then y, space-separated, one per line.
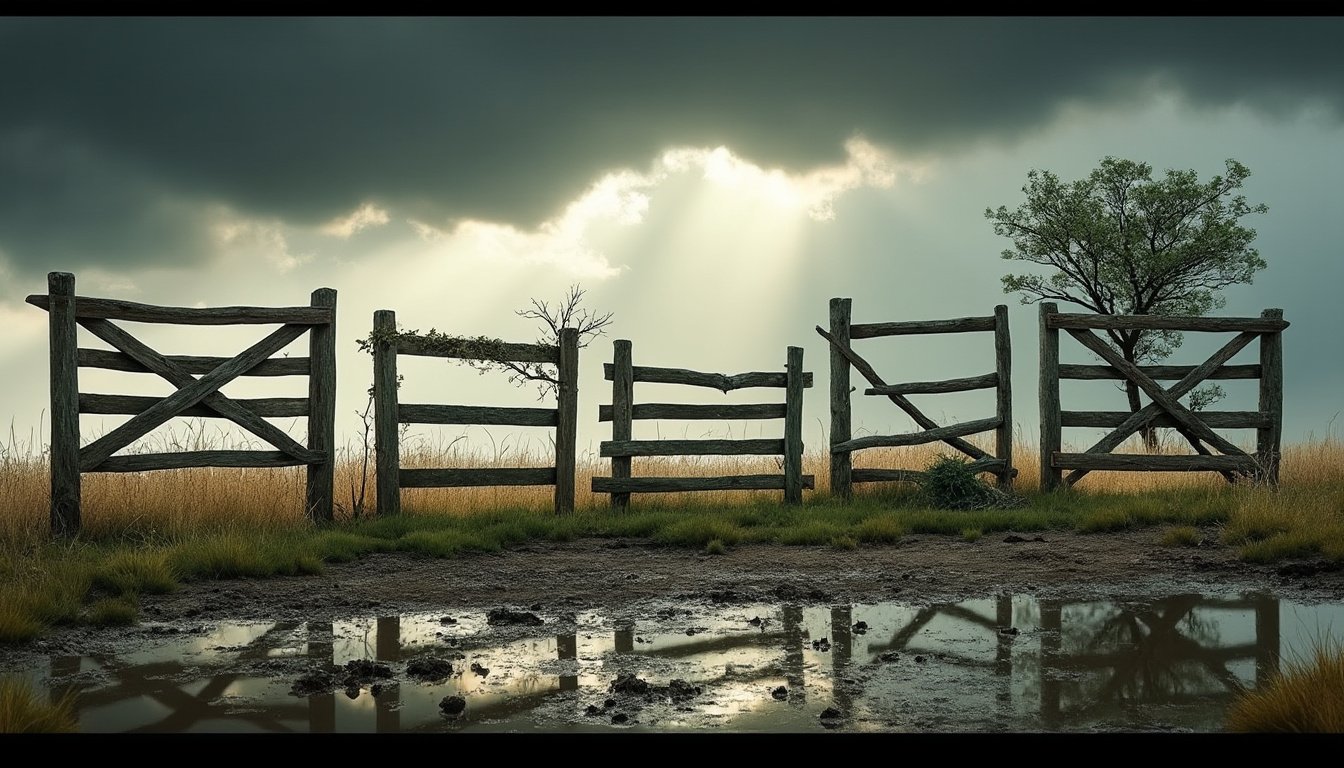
pixel 607 574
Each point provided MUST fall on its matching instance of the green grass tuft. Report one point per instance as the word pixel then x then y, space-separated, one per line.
pixel 972 534
pixel 1181 536
pixel 715 547
pixel 113 612
pixel 23 711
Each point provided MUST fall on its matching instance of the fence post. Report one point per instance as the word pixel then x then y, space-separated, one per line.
pixel 793 427
pixel 1051 429
pixel 387 450
pixel 65 516
pixel 322 409
pixel 841 463
pixel 622 413
pixel 567 419
pixel 1003 365
pixel 1267 439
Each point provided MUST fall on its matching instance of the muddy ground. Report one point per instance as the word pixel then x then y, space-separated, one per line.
pixel 612 573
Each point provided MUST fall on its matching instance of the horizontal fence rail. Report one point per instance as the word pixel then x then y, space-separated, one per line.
pixel 623 411
pixel 389 412
pixel 197 381
pixel 1165 409
pixel 844 360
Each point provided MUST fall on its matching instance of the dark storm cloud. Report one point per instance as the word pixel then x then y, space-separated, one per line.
pixel 104 121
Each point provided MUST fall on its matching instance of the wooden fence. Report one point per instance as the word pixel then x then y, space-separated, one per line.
pixel 389 412
pixel 193 397
pixel 1165 410
pixel 843 357
pixel 623 374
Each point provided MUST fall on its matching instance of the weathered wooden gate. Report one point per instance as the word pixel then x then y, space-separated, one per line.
pixel 843 475
pixel 1164 410
pixel 194 396
pixel 623 374
pixel 389 412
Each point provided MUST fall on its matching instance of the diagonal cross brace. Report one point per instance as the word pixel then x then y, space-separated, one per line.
pixel 1182 415
pixel 217 401
pixel 1143 416
pixel 94 453
pixel 868 373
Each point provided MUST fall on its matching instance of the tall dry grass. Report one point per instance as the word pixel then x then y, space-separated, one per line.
pixel 176 502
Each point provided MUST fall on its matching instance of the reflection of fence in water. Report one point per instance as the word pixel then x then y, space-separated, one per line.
pixel 1150 658
pixel 159 681
pixel 1138 647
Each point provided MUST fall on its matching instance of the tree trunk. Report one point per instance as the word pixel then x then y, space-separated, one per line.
pixel 1149 433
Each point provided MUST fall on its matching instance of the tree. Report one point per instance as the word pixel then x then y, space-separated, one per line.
pixel 1122 243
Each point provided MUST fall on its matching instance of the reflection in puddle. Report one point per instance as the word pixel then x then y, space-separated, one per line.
pixel 1007 663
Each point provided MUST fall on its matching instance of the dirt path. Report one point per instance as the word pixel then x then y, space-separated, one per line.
pixel 596 573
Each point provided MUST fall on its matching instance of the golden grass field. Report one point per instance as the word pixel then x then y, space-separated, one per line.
pixel 175 502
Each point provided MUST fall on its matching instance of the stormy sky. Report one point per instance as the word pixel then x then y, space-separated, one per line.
pixel 712 182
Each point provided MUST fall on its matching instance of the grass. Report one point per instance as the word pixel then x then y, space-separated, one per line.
pixel 1303 698
pixel 147 533
pixel 23 711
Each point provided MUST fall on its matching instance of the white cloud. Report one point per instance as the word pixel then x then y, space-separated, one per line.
pixel 237 237
pixel 367 215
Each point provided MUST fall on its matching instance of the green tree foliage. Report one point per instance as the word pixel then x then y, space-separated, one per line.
pixel 1120 242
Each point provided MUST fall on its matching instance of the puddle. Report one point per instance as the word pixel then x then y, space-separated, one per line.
pixel 1002 664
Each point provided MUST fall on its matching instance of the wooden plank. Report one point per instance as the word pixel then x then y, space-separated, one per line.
pixel 146 462
pixel 862 475
pixel 62 309
pixel 187 396
pixel 842 463
pixel 268 407
pixel 719 381
pixel 1269 437
pixel 765 447
pixel 692 412
pixel 676 484
pixel 868 373
pixel 622 412
pixel 386 439
pixel 1171 405
pixel 567 419
pixel 476 477
pixel 793 427
pixel 424 413
pixel 1151 411
pixel 1158 372
pixel 911 327
pixel 877 475
pixel 918 438
pixel 115 309
pixel 141 353
pixel 197 364
pixel 1003 379
pixel 1215 419
pixel 1079 322
pixel 965 384
pixel 1147 463
pixel 320 494
pixel 518 353
pixel 1052 435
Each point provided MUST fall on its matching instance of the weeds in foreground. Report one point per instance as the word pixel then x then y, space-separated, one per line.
pixel 23 711
pixel 1303 698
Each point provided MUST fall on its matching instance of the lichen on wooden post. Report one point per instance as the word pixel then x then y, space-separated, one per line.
pixel 622 413
pixel 322 410
pixel 387 449
pixel 1267 439
pixel 65 485
pixel 1003 366
pixel 567 417
pixel 841 463
pixel 793 427
pixel 1051 429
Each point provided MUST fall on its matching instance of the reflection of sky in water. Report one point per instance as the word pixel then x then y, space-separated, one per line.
pixel 1157 664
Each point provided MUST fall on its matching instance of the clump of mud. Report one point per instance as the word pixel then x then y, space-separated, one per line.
pixel 505 617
